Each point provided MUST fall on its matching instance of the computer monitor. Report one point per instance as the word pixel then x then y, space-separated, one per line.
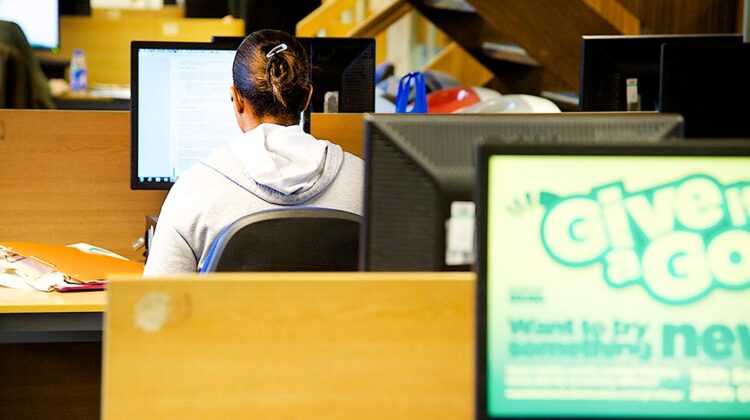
pixel 613 281
pixel 343 73
pixel 180 108
pixel 419 176
pixel 608 62
pixel 709 86
pixel 39 20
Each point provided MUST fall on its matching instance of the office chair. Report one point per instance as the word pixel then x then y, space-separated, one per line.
pixel 22 82
pixel 288 239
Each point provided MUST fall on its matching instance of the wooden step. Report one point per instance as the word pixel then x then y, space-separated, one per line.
pixel 454 5
pixel 508 52
pixel 525 42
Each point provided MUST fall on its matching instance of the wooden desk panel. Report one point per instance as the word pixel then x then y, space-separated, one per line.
pixel 345 345
pixel 346 130
pixel 65 178
pixel 105 37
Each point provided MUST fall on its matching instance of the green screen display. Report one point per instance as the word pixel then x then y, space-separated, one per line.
pixel 618 286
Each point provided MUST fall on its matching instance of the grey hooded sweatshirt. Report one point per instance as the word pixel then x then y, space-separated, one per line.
pixel 267 167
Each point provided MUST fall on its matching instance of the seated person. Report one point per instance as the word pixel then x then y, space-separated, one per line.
pixel 22 84
pixel 274 163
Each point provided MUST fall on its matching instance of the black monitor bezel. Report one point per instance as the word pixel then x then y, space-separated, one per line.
pixel 136 46
pixel 613 43
pixel 387 125
pixel 673 80
pixel 671 147
pixel 74 7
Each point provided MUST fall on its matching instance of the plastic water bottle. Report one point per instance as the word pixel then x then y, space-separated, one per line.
pixel 78 72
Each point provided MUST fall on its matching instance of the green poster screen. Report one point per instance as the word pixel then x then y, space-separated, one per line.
pixel 618 286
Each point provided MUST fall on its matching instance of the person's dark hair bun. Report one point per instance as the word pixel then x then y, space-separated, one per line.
pixel 272 72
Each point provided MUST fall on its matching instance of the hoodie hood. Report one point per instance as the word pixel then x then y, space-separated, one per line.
pixel 280 164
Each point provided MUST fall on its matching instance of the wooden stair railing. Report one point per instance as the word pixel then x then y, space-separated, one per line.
pixel 327 20
pixel 547 34
pixel 529 45
pixel 453 59
pixel 333 18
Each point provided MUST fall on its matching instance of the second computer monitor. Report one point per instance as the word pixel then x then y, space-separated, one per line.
pixel 709 85
pixel 612 66
pixel 38 19
pixel 419 176
pixel 620 289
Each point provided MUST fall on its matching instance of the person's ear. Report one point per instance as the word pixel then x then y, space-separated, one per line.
pixel 236 98
pixel 309 96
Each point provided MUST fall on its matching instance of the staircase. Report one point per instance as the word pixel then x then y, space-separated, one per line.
pixel 529 45
pixel 524 46
pixel 362 18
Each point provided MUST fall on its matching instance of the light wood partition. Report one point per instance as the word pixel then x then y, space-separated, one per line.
pixel 347 130
pixel 304 345
pixel 105 37
pixel 65 176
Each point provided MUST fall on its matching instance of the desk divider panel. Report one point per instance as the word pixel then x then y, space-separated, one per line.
pixel 290 345
pixel 64 176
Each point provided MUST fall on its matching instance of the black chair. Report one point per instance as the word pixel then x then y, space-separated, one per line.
pixel 288 239
pixel 22 82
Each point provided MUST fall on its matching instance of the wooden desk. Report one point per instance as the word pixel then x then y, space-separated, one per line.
pixel 33 317
pixel 50 354
pixel 300 345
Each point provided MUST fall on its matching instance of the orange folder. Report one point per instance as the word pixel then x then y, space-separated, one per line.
pixel 79 265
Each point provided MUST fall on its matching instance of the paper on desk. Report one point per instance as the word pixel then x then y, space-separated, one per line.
pixel 24 273
pixel 110 91
pixel 48 267
pixel 91 249
pixel 45 283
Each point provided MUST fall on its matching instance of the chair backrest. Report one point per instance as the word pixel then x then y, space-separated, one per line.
pixel 22 80
pixel 288 239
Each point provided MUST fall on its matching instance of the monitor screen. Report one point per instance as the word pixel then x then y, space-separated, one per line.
pixel 613 281
pixel 419 176
pixel 709 86
pixel 38 19
pixel 180 108
pixel 613 67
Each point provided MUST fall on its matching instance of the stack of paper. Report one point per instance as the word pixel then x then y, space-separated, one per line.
pixel 32 266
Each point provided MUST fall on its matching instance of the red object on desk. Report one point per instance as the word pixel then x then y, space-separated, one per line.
pixel 87 287
pixel 447 100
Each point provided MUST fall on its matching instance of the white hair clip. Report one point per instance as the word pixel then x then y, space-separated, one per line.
pixel 275 50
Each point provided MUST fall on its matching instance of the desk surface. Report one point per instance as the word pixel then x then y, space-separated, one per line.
pixel 24 301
